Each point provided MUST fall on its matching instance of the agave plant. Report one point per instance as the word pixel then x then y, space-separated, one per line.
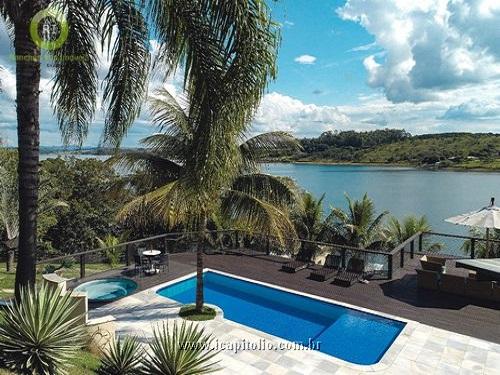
pixel 123 357
pixel 181 350
pixel 39 333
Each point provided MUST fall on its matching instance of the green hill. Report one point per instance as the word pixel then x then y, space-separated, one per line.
pixel 393 146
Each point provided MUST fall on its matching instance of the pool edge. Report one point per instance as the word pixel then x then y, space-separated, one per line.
pixel 382 364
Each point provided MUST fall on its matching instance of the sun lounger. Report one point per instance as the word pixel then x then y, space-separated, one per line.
pixel 294 266
pixel 352 274
pixel 329 269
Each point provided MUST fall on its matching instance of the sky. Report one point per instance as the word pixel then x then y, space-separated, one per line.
pixel 427 66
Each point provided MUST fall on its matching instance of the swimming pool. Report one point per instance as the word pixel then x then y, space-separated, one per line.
pixel 345 333
pixel 106 290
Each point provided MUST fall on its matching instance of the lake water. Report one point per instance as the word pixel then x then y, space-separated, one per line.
pixel 402 191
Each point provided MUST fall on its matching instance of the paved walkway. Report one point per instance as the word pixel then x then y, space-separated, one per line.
pixel 419 349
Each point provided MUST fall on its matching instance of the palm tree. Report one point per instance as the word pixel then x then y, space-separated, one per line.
pixel 9 218
pixel 311 225
pixel 396 232
pixel 75 88
pixel 227 51
pixel 249 198
pixel 358 226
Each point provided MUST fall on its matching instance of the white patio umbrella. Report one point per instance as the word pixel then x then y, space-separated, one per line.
pixel 487 217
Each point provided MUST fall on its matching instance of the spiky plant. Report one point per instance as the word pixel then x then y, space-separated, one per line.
pixel 39 333
pixel 123 357
pixel 180 350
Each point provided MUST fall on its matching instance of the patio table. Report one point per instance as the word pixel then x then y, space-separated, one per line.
pixel 486 269
pixel 150 254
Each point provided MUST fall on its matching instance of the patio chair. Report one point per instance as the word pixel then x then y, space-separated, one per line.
pixel 162 263
pixel 354 272
pixel 453 284
pixel 479 289
pixel 294 266
pixel 427 279
pixel 139 265
pixel 329 269
pixel 432 263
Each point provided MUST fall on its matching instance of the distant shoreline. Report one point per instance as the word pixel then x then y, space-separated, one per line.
pixel 390 165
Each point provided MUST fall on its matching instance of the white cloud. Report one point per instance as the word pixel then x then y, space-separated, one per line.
pixel 281 112
pixel 305 59
pixel 473 110
pixel 364 47
pixel 431 46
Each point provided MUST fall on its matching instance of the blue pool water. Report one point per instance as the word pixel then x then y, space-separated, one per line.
pixel 345 333
pixel 105 290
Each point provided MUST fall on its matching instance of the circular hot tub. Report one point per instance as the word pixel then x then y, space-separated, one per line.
pixel 106 290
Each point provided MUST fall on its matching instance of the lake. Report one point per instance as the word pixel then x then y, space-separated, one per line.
pixel 402 191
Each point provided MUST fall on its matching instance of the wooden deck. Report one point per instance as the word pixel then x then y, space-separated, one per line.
pixel 399 296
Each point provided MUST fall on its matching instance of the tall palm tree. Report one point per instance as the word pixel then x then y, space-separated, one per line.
pixel 250 198
pixel 358 226
pixel 227 51
pixel 9 218
pixel 75 88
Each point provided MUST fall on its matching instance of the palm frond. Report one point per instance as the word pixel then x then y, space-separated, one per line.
pixel 126 83
pixel 154 168
pixel 174 147
pixel 169 115
pixel 75 83
pixel 272 189
pixel 257 214
pixel 267 144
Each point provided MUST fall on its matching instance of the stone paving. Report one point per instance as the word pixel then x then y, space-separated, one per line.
pixel 419 349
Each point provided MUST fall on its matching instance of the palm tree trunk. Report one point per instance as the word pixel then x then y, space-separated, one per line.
pixel 199 267
pixel 28 133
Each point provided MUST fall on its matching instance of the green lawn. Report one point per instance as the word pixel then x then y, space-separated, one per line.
pixel 84 363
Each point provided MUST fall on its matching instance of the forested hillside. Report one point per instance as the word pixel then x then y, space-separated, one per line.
pixel 394 146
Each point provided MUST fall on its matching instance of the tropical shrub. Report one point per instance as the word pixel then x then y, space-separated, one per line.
pixel 398 231
pixel 181 350
pixel 123 357
pixel 113 251
pixel 359 225
pixel 39 334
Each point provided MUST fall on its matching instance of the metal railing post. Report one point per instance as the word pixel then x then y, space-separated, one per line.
pixel 472 248
pixel 420 242
pixel 389 266
pixel 82 266
pixel 402 258
pixel 412 249
pixel 343 258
